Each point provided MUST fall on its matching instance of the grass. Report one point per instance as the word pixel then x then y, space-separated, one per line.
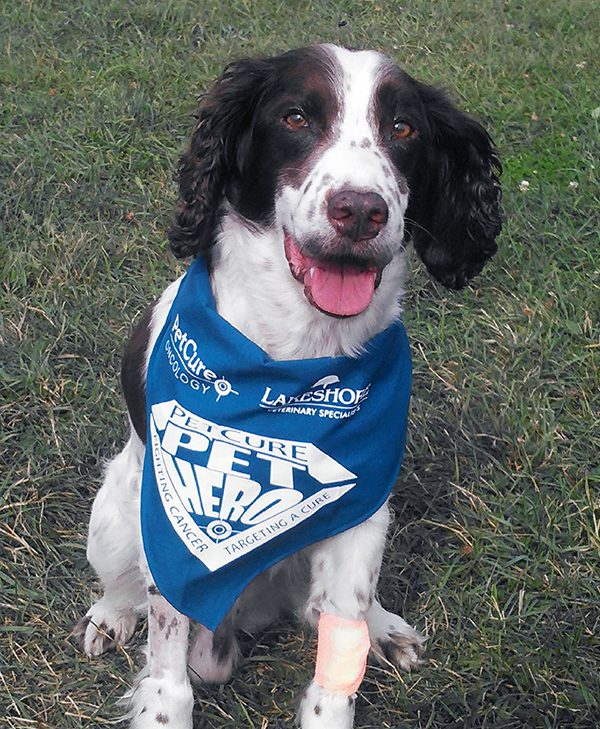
pixel 495 544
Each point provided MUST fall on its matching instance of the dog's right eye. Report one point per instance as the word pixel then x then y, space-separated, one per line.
pixel 295 119
pixel 402 130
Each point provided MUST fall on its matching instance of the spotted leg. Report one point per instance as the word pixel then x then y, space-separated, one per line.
pixel 162 698
pixel 344 576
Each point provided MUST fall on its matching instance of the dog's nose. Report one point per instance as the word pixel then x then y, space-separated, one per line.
pixel 357 215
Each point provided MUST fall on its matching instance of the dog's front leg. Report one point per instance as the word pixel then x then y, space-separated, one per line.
pixel 163 697
pixel 345 570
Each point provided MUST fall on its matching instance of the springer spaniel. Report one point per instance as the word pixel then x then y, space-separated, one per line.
pixel 306 175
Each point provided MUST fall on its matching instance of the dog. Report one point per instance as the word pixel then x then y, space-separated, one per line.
pixel 306 176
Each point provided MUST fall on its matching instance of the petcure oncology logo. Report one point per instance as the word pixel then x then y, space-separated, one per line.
pixel 183 353
pixel 325 399
pixel 226 491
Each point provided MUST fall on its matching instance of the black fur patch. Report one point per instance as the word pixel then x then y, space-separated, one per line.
pixel 223 642
pixel 132 373
pixel 452 169
pixel 241 145
pixel 172 627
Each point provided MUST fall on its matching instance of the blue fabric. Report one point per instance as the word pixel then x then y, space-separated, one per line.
pixel 249 459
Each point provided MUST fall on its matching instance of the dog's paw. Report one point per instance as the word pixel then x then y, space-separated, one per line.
pixel 321 709
pixel 104 626
pixel 159 704
pixel 394 641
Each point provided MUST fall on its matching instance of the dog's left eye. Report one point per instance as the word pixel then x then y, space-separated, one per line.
pixel 295 119
pixel 402 130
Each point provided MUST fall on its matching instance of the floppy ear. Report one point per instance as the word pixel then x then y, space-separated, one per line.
pixel 454 214
pixel 215 156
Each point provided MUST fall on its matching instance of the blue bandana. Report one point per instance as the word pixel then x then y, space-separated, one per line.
pixel 249 459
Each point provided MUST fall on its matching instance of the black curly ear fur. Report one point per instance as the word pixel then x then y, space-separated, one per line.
pixel 454 214
pixel 224 121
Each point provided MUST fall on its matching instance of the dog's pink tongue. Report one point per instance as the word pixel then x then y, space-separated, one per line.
pixel 340 289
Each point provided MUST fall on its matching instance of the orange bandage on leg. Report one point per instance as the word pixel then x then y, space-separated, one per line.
pixel 341 654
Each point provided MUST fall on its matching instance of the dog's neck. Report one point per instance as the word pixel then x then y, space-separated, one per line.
pixel 257 294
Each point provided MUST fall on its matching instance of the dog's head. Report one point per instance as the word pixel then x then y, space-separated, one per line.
pixel 343 154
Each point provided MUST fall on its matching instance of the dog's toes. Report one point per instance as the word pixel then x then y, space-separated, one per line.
pixel 320 709
pixel 402 649
pixel 159 704
pixel 393 640
pixel 103 627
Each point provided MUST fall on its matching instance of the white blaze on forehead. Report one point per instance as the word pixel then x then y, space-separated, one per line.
pixel 356 159
pixel 359 72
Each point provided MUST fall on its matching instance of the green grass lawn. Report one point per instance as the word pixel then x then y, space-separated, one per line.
pixel 495 542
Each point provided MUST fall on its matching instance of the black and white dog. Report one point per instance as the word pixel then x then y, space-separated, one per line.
pixel 306 175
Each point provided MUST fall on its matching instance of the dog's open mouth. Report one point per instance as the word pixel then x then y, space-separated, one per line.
pixel 334 286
